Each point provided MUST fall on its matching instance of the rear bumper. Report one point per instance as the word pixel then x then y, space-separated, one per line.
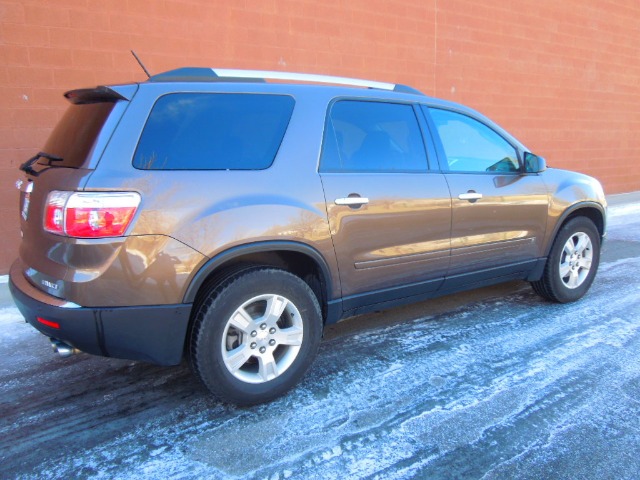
pixel 153 333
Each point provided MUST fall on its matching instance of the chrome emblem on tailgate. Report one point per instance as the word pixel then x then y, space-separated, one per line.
pixel 49 284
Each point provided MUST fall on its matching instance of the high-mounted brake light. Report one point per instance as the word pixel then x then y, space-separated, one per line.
pixel 90 214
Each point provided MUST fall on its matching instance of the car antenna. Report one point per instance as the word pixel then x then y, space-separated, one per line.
pixel 140 63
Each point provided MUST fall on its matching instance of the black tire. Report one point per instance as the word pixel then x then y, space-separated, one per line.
pixel 569 282
pixel 252 375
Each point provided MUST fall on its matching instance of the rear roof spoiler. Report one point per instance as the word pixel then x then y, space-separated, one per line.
pixel 83 96
pixel 201 74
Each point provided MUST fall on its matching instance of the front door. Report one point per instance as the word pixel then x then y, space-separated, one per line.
pixel 499 213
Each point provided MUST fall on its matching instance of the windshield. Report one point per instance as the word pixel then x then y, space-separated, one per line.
pixel 74 136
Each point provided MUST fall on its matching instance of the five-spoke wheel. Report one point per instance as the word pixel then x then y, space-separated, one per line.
pixel 572 263
pixel 255 335
pixel 575 260
pixel 262 338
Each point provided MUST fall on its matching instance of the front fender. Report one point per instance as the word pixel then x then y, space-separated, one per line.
pixel 571 193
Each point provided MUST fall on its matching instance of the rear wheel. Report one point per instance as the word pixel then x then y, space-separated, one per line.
pixel 572 263
pixel 255 335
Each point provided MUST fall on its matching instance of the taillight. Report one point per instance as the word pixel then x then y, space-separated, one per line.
pixel 54 212
pixel 90 214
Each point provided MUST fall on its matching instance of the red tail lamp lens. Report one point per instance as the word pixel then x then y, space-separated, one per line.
pixel 90 214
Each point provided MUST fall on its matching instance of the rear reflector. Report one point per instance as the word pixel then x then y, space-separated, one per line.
pixel 90 214
pixel 48 323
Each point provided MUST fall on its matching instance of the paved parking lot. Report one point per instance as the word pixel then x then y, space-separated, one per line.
pixel 494 383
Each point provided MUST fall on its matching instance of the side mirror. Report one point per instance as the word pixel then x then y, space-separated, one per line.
pixel 534 163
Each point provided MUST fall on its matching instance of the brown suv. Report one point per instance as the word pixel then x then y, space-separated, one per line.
pixel 212 214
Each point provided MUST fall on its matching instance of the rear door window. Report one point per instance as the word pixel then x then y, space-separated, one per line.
pixel 376 137
pixel 213 131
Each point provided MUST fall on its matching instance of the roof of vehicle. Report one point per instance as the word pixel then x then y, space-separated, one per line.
pixel 201 74
pixel 281 81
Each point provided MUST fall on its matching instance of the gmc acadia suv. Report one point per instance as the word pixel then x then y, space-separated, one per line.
pixel 214 215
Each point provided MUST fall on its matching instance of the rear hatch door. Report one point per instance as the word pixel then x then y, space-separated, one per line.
pixel 65 163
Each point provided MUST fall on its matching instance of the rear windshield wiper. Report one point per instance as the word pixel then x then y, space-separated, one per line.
pixel 26 166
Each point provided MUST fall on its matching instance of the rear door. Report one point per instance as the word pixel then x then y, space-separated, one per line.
pixel 389 213
pixel 499 213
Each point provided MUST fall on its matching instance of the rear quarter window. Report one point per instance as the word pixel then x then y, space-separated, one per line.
pixel 213 131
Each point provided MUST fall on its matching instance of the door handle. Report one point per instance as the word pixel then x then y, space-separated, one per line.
pixel 352 201
pixel 471 196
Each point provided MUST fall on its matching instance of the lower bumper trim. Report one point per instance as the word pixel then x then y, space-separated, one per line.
pixel 152 333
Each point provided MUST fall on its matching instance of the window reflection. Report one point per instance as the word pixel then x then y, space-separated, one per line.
pixel 471 146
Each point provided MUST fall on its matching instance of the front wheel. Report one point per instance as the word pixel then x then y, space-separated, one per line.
pixel 572 263
pixel 255 335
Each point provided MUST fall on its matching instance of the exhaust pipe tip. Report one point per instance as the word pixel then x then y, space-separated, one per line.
pixel 62 348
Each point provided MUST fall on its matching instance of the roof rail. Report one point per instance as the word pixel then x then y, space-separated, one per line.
pixel 224 74
pixel 302 77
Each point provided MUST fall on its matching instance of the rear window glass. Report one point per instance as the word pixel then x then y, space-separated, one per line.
pixel 74 136
pixel 213 131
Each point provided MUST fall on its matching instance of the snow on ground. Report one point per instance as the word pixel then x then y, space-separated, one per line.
pixel 9 315
pixel 492 384
pixel 622 212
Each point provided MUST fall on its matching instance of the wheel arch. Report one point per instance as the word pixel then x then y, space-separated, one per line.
pixel 591 210
pixel 297 258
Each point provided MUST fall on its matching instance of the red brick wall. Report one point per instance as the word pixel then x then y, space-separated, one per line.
pixel 562 76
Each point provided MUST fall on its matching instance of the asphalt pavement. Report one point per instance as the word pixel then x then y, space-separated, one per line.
pixel 494 383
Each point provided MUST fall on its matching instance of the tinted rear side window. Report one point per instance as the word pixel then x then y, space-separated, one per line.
pixel 376 137
pixel 213 131
pixel 75 134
